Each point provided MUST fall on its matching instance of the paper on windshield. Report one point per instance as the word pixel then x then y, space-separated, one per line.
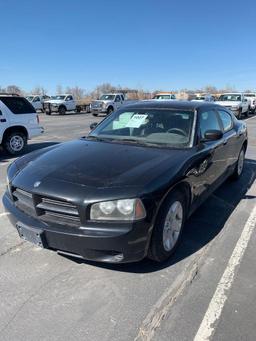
pixel 136 121
pixel 122 121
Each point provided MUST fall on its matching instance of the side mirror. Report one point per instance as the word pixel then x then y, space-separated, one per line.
pixel 212 135
pixel 93 125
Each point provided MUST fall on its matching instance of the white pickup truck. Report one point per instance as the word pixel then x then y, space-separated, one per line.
pixel 38 101
pixel 236 102
pixel 60 104
pixel 251 97
pixel 107 103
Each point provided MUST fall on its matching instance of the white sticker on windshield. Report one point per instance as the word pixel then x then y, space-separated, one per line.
pixel 137 120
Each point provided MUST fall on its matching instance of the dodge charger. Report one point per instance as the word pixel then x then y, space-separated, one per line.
pixel 124 192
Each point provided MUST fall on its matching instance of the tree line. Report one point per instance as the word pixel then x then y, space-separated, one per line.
pixel 80 93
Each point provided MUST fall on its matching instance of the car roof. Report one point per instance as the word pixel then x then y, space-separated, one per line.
pixel 181 105
pixel 232 93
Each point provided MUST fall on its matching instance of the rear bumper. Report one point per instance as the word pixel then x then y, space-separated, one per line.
pixel 33 132
pixel 112 244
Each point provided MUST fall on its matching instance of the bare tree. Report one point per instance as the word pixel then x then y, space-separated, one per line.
pixel 14 89
pixel 101 89
pixel 77 92
pixel 210 89
pixel 38 90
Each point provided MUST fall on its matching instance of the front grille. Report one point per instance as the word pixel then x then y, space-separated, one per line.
pixel 57 210
pixel 47 209
pixel 96 105
pixel 24 201
pixel 47 106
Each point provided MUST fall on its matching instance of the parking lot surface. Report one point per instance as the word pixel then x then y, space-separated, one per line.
pixel 45 296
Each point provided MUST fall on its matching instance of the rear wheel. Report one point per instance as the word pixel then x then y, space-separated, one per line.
pixel 239 165
pixel 168 227
pixel 15 142
pixel 95 114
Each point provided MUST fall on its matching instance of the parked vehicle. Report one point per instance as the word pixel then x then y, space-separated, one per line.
pixel 18 123
pixel 251 97
pixel 107 103
pixel 236 101
pixel 124 192
pixel 38 101
pixel 164 96
pixel 61 104
pixel 83 105
pixel 204 98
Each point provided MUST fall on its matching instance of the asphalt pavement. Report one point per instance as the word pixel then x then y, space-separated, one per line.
pixel 206 288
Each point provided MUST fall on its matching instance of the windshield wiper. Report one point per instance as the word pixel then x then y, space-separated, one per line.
pixel 96 138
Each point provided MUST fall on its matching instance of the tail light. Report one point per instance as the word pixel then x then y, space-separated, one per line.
pixel 37 117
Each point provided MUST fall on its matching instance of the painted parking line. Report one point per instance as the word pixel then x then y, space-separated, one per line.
pixel 220 296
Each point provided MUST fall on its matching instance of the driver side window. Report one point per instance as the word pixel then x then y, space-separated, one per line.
pixel 208 120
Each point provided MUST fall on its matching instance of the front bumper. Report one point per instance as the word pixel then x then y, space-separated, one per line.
pixel 98 110
pixel 113 243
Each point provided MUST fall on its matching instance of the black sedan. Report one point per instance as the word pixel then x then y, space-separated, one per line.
pixel 124 192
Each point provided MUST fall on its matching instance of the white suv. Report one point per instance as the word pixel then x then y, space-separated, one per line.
pixel 18 123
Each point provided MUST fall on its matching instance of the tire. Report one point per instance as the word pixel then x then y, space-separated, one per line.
pixel 15 143
pixel 164 241
pixel 62 110
pixel 95 114
pixel 239 165
pixel 110 110
pixel 247 113
pixel 239 116
pixel 78 109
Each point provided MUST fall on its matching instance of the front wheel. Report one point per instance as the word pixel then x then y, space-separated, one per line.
pixel 62 110
pixel 15 143
pixel 168 227
pixel 110 110
pixel 239 116
pixel 239 165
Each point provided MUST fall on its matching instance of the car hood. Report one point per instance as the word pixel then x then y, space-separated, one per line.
pixel 99 165
pixel 55 101
pixel 228 103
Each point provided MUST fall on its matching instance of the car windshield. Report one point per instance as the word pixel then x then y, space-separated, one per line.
pixel 230 97
pixel 162 97
pixel 107 97
pixel 60 97
pixel 158 127
pixel 30 98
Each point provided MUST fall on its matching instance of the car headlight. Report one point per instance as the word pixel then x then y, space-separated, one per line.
pixel 234 107
pixel 125 209
pixel 103 105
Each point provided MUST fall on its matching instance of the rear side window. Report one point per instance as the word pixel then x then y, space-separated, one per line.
pixel 18 105
pixel 226 120
pixel 208 121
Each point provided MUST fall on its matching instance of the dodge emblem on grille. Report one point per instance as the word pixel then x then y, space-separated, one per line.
pixel 37 183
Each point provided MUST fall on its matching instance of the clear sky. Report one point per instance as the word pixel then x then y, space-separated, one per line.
pixel 154 44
